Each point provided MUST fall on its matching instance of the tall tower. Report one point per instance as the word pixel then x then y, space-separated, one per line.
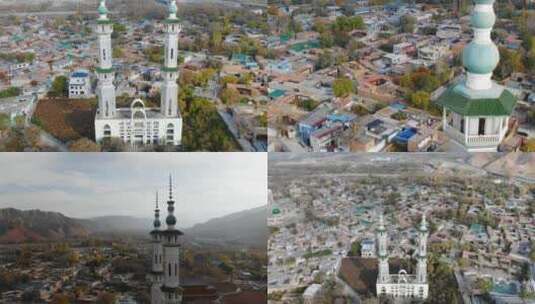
pixel 171 254
pixel 169 90
pixel 421 267
pixel 157 258
pixel 105 88
pixel 382 252
pixel 476 110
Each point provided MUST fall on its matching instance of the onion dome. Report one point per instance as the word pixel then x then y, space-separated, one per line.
pixel 102 10
pixel 170 219
pixel 172 7
pixel 481 56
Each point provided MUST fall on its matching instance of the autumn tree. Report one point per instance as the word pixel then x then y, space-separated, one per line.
pixel 343 87
pixel 84 145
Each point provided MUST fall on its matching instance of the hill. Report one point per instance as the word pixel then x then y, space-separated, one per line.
pixel 245 227
pixel 17 226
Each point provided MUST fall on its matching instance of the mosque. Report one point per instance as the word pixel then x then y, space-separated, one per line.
pixel 138 125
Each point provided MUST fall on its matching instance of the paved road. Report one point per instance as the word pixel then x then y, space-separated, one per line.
pixel 51 141
pixel 231 125
pixel 48 140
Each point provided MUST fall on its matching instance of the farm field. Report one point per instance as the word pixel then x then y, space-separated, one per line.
pixel 66 119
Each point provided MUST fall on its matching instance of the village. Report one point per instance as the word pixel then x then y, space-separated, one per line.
pixel 323 230
pixel 48 82
pixel 112 271
pixel 366 76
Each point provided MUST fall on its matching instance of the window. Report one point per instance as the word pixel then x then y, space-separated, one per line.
pixel 104 54
pixel 169 268
pixel 172 53
pixel 107 131
pixel 481 128
pixel 462 125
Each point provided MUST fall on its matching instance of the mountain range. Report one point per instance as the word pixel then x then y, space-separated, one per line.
pixel 18 226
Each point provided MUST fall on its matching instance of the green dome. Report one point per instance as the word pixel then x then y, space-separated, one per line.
pixel 275 211
pixel 480 58
pixel 102 8
pixel 483 1
pixel 483 20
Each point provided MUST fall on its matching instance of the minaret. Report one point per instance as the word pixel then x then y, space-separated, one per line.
pixel 476 110
pixel 157 258
pixel 421 267
pixel 105 75
pixel 382 252
pixel 169 90
pixel 171 252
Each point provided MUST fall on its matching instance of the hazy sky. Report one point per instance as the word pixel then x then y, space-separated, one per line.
pixel 207 185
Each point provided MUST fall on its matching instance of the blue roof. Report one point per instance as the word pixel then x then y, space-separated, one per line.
pixel 276 93
pixel 79 74
pixel 405 135
pixel 398 106
pixel 343 118
pixel 505 288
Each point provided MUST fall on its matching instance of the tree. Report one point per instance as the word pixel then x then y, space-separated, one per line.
pixel 355 249
pixel 408 24
pixel 60 87
pixel 10 92
pixel 5 122
pixel 420 99
pixel 484 285
pixel 106 298
pixel 60 299
pixel 113 145
pixel 325 60
pixel 529 145
pixel 117 52
pixel 326 40
pixel 343 87
pixel 84 145
pixel 33 136
pixel 229 95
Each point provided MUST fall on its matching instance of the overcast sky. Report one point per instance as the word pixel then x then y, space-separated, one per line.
pixel 207 185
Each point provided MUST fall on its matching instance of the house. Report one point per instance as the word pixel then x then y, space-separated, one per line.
pixel 18 106
pixel 367 248
pixel 312 294
pixel 79 84
pixel 432 52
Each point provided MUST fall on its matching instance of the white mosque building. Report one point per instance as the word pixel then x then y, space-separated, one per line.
pixel 476 110
pixel 166 243
pixel 402 285
pixel 137 124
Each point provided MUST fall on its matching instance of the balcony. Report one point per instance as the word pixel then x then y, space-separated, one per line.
pixel 472 140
